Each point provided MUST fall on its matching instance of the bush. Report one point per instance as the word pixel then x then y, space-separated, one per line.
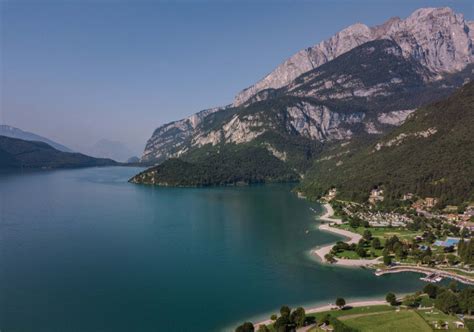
pixel 431 290
pixel 391 298
pixel 340 302
pixel 245 327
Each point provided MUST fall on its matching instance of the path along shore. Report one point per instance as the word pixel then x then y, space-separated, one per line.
pixel 321 252
pixel 426 270
pixel 329 307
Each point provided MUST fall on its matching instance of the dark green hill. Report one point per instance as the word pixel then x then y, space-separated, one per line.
pixel 17 153
pixel 431 154
pixel 226 165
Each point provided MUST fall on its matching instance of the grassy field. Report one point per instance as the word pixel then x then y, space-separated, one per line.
pixel 347 254
pixel 390 321
pixel 353 311
pixel 383 232
pixel 385 318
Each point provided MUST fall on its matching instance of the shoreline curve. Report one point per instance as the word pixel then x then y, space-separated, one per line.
pixel 321 252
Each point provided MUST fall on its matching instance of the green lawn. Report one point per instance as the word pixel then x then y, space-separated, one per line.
pixel 347 254
pixel 392 321
pixel 383 232
pixel 353 311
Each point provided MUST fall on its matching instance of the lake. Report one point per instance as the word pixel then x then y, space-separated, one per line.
pixel 84 250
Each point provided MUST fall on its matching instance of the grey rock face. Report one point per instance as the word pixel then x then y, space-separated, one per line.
pixel 438 38
pixel 308 120
pixel 308 59
pixel 168 140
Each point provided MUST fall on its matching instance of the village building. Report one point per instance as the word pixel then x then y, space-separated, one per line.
pixel 459 325
pixel 430 202
pixel 376 195
pixel 452 217
pixel 469 225
pixel 407 197
pixel 332 193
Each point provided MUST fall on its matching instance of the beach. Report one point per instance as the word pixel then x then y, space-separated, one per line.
pixel 321 252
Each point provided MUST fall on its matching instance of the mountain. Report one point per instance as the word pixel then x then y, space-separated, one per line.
pixel 431 155
pixel 229 165
pixel 367 89
pixel 168 139
pixel 438 38
pixel 429 55
pixel 17 153
pixel 110 149
pixel 133 160
pixel 13 132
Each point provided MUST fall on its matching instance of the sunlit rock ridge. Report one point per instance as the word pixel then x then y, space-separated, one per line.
pixel 439 38
pixel 361 81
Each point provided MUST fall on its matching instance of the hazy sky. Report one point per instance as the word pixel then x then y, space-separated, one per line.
pixel 78 71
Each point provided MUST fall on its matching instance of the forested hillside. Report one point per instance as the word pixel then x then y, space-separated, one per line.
pixel 431 154
pixel 17 153
pixel 226 165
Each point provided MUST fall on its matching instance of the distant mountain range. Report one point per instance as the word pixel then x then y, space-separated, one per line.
pixel 18 153
pixel 13 132
pixel 105 148
pixel 351 89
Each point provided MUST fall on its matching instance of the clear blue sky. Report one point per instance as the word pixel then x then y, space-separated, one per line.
pixel 78 71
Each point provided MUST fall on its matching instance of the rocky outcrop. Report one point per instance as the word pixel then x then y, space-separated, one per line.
pixel 169 140
pixel 438 38
pixel 394 118
pixel 403 136
pixel 308 120
pixel 308 59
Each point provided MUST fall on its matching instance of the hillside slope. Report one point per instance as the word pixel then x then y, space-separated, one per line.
pixel 226 165
pixel 17 153
pixel 431 154
pixel 13 132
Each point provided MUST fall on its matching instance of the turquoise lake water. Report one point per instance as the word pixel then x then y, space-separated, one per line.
pixel 83 250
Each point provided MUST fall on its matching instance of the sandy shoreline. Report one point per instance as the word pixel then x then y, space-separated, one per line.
pixel 321 252
pixel 329 307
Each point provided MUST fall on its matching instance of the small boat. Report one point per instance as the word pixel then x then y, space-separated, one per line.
pixel 306 231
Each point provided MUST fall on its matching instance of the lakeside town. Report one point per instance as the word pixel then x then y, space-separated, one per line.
pixel 417 236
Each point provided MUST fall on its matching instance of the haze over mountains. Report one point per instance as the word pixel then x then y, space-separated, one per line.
pixel 18 153
pixel 105 148
pixel 13 132
pixel 360 81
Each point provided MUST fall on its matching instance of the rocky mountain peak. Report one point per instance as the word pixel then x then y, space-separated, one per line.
pixel 438 38
pixel 430 12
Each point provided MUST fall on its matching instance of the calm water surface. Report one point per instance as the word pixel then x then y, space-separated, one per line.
pixel 83 250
